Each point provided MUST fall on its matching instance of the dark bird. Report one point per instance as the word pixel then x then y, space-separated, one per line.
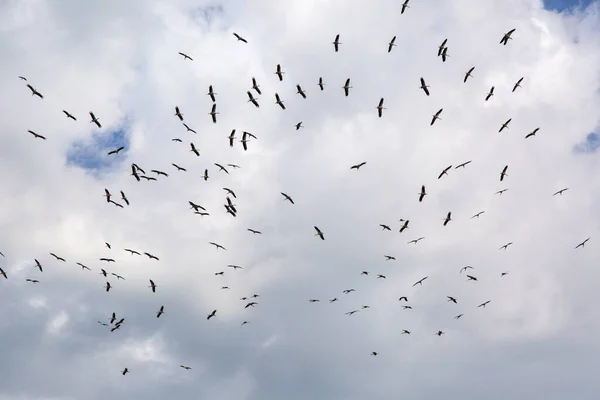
pixel 217 246
pixel 230 192
pixel 436 116
pixel 213 113
pixel 134 173
pixel 490 94
pixel 314 300
pixel 69 115
pixel 231 138
pixel 385 227
pixel 256 86
pixel 254 231
pixel 34 92
pixel 405 332
pixel 108 245
pixel 126 370
pixel 388 258
pixel 532 133
pixel 458 316
pixel 503 274
pixel 22 78
pixel 160 312
pixel 35 135
pixel 151 257
pixel 518 84
pixel 468 74
pixel 336 43
pixel 505 246
pixel 212 314
pixel 560 191
pixel 185 367
pixel 108 286
pixel 278 101
pixel 188 128
pixel 221 168
pixel 116 151
pixel 279 72
pixel 403 298
pixel 319 233
pixel 503 173
pixel 32 280
pixel 347 87
pixel 439 333
pixel 320 83
pixel 444 172
pixel 404 226
pixel 407 307
pixel 424 86
pixel 300 91
pixel 348 291
pixel 374 353
pixel 445 54
pixel 391 44
pixel 239 38
pixel 333 300
pixel 484 304
pixel 422 193
pixel 471 278
pixel 3 273
pixel 506 37
pixel 157 172
pixel 299 125
pixel 381 276
pixel 57 257
pixel 252 99
pixel 194 150
pixel 463 164
pixel 288 198
pixel 404 7
pixel 582 244
pixel 380 108
pixel 95 120
pixel 441 47
pixel 178 113
pixel 185 56
pixel 107 259
pixel 357 166
pixel 38 265
pixel 505 125
pixel 415 241
pixel 465 268
pixel 419 282
pixel 501 191
pixel 152 286
pixel 452 299
pixel 448 218
pixel 205 177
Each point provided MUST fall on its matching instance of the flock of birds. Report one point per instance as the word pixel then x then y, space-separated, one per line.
pixel 115 322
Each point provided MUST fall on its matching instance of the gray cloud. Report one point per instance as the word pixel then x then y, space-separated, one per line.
pixel 534 339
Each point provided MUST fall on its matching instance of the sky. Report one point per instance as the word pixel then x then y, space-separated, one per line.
pixel 536 338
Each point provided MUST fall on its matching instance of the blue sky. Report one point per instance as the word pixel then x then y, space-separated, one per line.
pixel 561 5
pixel 91 153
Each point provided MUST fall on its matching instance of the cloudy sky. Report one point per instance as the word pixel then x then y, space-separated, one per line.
pixel 537 338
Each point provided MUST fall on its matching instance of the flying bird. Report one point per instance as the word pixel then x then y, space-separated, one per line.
pixel 194 150
pixel 503 173
pixel 278 101
pixel 357 166
pixel 404 7
pixel 477 215
pixel 320 83
pixel 424 86
pixel 484 304
pixel 518 84
pixel 188 128
pixel 490 94
pixel 336 43
pixel 279 72
pixel 419 282
pixel 213 113
pixel 299 125
pixel 211 93
pixel 288 198
pixel 95 120
pixel 404 226
pixel 34 92
pixel 422 193
pixel 212 314
pixel 391 44
pixel 448 218
pixel 444 172
pixel 463 164
pixel 436 116
pixel 178 113
pixel 160 312
pixel 560 191
pixel 465 268
pixel 186 57
pixel 532 133
pixel 254 231
pixel 347 87
pixel 300 91
pixel 69 115
pixel 441 47
pixel 468 74
pixel 252 99
pixel 507 37
pixel 380 108
pixel 415 241
pixel 37 136
pixel 319 233
pixel 582 244
pixel 239 38
pixel 385 227
pixel 151 257
pixel 217 246
pixel 152 286
pixel 255 86
pixel 505 246
pixel 57 257
pixel 116 151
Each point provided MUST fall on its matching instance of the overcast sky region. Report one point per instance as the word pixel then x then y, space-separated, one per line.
pixel 537 338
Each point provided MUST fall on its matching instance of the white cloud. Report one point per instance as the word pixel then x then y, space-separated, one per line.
pixel 121 61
